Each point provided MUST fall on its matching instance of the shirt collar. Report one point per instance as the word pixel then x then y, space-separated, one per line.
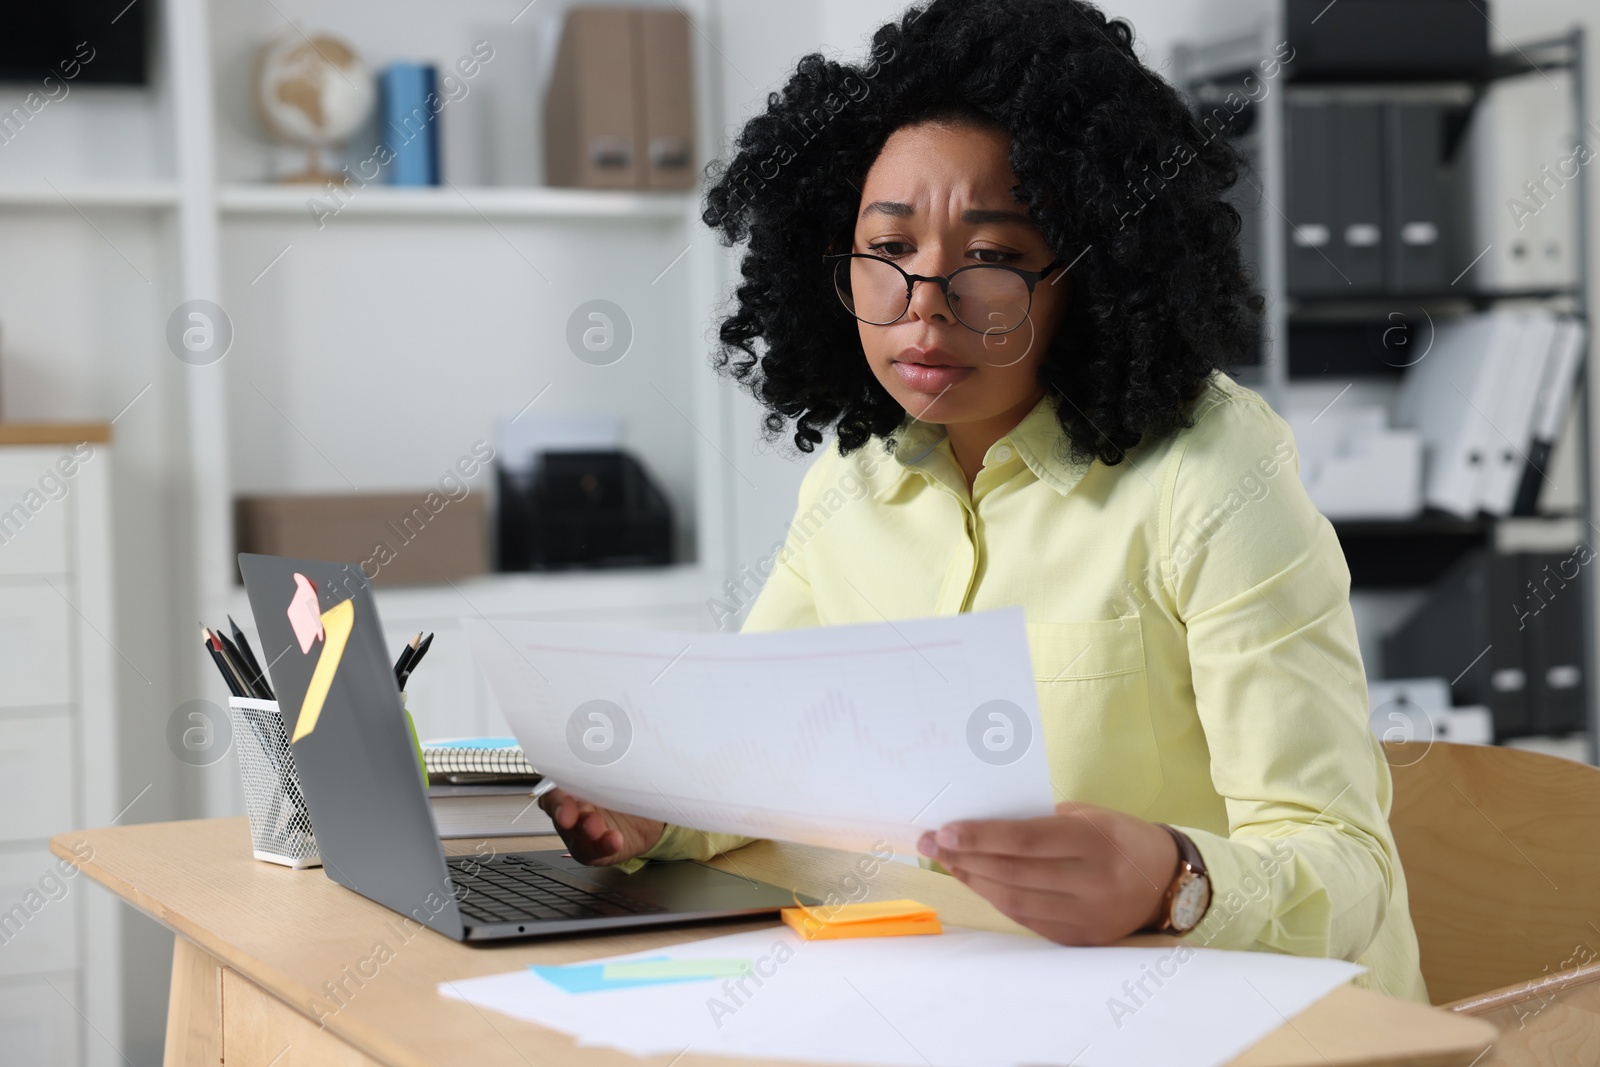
pixel 1038 439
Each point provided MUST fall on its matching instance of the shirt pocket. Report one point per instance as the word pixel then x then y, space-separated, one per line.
pixel 1094 707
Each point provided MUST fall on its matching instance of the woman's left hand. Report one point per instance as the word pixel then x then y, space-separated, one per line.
pixel 1083 876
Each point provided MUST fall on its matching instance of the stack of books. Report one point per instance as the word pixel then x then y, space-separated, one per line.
pixel 483 787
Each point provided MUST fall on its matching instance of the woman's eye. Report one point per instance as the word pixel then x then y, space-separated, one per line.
pixel 889 249
pixel 996 256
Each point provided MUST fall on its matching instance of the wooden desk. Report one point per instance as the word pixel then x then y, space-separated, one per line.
pixel 260 946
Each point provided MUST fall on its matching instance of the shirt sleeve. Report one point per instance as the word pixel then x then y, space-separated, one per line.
pixel 1257 577
pixel 784 603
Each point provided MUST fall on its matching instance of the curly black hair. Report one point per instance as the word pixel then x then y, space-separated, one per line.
pixel 1160 297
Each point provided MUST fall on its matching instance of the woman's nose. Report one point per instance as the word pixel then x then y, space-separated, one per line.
pixel 928 300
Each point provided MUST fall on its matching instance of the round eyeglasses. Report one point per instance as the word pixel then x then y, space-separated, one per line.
pixel 986 297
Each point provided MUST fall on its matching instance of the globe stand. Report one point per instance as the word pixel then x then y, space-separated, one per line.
pixel 314 174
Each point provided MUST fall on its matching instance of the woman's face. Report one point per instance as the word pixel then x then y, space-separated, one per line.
pixel 938 198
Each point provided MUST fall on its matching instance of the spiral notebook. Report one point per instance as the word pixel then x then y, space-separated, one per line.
pixel 475 755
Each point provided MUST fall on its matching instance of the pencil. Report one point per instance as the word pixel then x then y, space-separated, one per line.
pixel 406 653
pixel 252 679
pixel 229 666
pixel 416 658
pixel 248 660
pixel 216 657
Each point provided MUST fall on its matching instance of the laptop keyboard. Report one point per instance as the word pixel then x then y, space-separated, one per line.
pixel 510 892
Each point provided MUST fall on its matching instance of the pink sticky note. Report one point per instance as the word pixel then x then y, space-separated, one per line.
pixel 304 614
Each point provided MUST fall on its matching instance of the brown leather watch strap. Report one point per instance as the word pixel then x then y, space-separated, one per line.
pixel 1189 863
pixel 1187 852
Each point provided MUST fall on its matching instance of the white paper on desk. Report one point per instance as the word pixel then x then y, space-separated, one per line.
pixel 964 997
pixel 845 736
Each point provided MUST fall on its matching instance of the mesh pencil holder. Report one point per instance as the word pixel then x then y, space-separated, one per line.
pixel 280 822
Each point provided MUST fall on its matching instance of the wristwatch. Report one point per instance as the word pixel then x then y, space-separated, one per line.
pixel 1189 895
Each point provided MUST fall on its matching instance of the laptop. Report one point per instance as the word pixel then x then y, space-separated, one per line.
pixel 369 805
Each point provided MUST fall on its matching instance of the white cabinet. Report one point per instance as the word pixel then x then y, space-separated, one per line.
pixel 59 937
pixel 37 1026
pixel 34 667
pixel 33 530
pixel 39 925
pixel 37 780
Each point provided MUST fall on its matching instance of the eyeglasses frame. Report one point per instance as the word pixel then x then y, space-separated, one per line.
pixel 1031 277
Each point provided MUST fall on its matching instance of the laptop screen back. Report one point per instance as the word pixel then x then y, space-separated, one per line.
pixel 357 767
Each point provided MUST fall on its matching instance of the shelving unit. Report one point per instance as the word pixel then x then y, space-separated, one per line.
pixel 90 194
pixel 469 286
pixel 454 202
pixel 1383 554
pixel 400 329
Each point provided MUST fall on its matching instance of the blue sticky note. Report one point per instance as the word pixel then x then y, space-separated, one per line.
pixel 590 977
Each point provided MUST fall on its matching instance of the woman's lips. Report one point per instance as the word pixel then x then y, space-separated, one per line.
pixel 927 378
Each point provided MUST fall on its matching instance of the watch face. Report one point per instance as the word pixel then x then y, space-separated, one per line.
pixel 1189 903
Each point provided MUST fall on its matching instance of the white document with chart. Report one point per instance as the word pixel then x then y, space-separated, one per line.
pixel 842 736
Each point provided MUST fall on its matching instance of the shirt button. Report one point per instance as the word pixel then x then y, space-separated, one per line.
pixel 1002 453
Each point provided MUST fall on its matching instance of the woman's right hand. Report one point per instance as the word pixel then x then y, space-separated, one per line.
pixel 599 836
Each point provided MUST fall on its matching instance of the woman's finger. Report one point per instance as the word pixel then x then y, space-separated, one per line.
pixel 595 825
pixel 1029 872
pixel 1021 902
pixel 1048 836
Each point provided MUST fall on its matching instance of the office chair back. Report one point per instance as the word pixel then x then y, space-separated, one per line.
pixel 1501 850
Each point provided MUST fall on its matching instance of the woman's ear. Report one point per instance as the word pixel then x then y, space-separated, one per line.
pixel 1063 282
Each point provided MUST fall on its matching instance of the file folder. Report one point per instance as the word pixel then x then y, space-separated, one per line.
pixel 667 99
pixel 591 135
pixel 619 112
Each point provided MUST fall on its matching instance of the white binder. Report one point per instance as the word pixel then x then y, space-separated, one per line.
pixel 1447 397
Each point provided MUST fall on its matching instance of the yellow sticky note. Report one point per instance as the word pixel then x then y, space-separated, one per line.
pixel 337 622
pixel 876 918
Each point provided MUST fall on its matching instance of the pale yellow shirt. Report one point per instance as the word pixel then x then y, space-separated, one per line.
pixel 1189 621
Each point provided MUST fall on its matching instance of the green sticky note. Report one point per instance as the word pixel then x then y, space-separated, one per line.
pixel 416 746
pixel 658 969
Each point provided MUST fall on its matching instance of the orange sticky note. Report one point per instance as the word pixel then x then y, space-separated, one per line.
pixel 876 918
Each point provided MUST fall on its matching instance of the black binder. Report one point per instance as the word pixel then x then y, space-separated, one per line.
pixel 1550 614
pixel 1360 235
pixel 1313 214
pixel 1336 204
pixel 1468 633
pixel 1419 197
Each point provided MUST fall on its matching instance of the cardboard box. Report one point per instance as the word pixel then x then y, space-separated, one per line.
pixel 412 538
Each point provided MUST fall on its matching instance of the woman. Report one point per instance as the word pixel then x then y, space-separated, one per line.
pixel 995 261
